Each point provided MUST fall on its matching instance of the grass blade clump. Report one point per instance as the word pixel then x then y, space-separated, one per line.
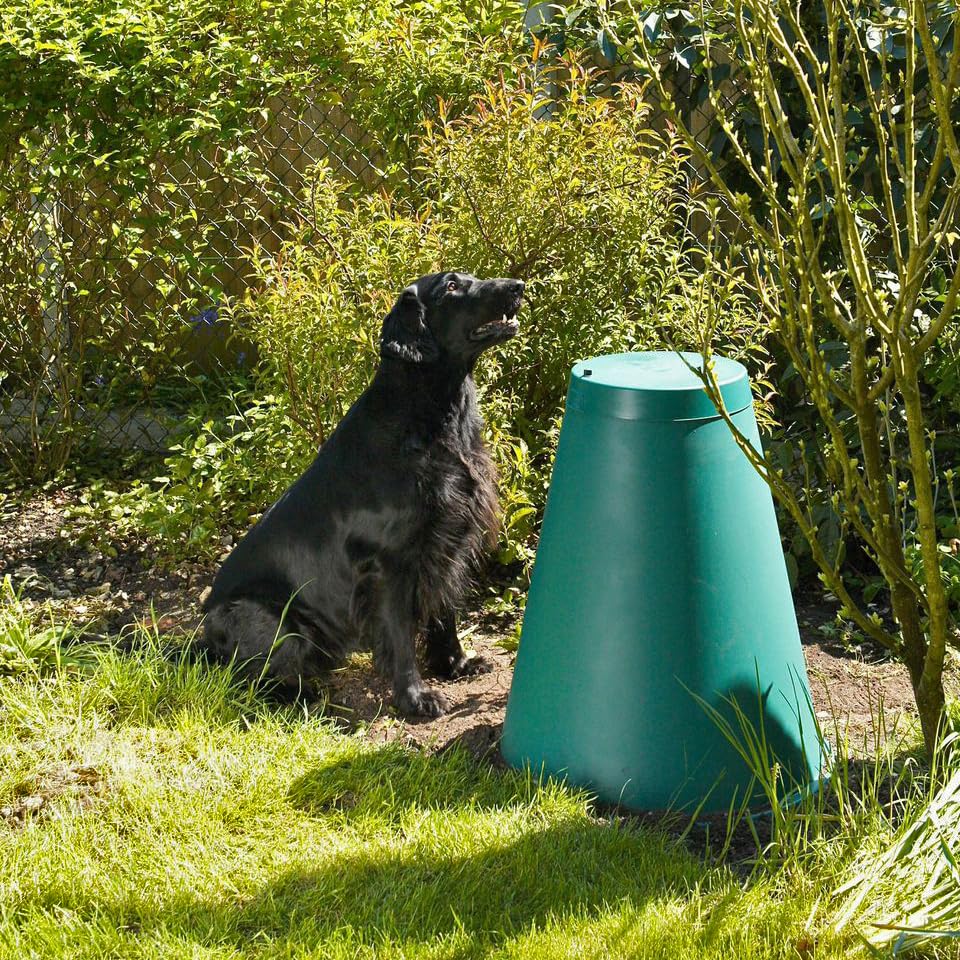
pixel 908 895
pixel 30 643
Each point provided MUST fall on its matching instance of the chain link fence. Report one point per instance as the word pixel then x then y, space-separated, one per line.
pixel 691 94
pixel 115 282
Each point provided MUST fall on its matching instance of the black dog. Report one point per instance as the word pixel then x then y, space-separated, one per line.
pixel 378 540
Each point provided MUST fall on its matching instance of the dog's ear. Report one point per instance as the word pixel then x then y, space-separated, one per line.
pixel 405 335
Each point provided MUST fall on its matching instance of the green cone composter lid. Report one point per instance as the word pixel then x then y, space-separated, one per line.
pixel 655 386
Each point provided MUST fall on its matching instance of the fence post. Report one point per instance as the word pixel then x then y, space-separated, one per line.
pixel 46 218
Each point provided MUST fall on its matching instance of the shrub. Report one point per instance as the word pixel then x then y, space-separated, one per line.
pixel 576 196
pixel 211 484
pixel 699 59
pixel 143 146
pixel 314 315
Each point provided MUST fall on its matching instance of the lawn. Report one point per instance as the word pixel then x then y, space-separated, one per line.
pixel 150 806
pixel 154 810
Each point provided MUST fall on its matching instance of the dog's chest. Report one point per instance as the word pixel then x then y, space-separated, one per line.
pixel 458 510
pixel 453 481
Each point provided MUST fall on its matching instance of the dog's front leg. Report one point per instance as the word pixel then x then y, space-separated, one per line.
pixel 411 695
pixel 395 655
pixel 445 654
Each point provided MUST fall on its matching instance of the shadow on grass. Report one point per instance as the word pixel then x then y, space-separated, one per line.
pixel 430 847
pixel 394 778
pixel 415 895
pixel 575 868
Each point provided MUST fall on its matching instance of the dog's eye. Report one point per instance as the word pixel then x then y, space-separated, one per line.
pixel 451 285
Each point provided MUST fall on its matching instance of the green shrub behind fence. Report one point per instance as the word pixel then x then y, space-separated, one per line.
pixel 145 149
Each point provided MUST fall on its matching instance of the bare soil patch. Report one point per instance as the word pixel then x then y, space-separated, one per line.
pixel 112 583
pixel 104 584
pixel 52 793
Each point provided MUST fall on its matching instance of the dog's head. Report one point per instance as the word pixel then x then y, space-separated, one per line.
pixel 451 316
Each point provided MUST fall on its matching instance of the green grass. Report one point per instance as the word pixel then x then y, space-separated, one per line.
pixel 184 817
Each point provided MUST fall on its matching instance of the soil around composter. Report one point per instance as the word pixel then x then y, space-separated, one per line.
pixel 858 691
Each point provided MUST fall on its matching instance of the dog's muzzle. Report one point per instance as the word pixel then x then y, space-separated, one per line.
pixel 503 328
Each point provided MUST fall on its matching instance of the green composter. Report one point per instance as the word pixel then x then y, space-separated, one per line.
pixel 660 607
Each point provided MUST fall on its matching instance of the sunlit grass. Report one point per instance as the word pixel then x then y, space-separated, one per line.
pixel 909 890
pixel 182 816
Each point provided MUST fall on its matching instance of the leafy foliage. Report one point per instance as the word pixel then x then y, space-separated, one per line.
pixel 315 314
pixel 700 55
pixel 585 204
pixel 874 274
pixel 215 481
pixel 700 60
pixel 138 156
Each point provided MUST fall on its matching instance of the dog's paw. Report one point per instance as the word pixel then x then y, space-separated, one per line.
pixel 453 668
pixel 469 667
pixel 421 702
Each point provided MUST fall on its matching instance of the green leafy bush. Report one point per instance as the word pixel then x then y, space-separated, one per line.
pixel 144 147
pixel 575 196
pixel 700 57
pixel 315 313
pixel 212 484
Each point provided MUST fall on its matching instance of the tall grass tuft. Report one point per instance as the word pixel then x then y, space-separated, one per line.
pixel 907 895
pixel 31 643
pixel 887 829
pixel 797 812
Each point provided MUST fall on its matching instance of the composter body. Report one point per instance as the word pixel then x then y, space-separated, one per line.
pixel 659 626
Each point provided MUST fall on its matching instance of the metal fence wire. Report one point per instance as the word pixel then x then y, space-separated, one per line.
pixel 113 281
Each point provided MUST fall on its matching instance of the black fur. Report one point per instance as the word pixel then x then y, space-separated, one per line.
pixel 377 542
